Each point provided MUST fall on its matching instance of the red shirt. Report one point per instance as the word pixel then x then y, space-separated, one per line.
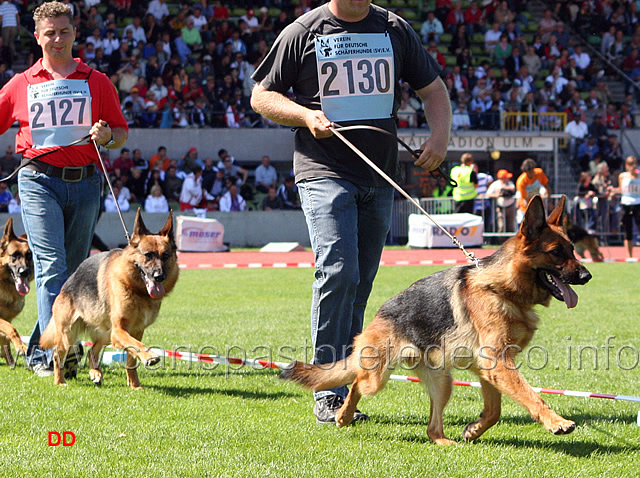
pixel 105 105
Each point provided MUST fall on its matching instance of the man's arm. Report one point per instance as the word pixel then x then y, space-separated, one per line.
pixel 437 109
pixel 277 107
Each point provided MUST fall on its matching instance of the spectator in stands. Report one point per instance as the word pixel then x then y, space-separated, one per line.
pixel 160 159
pixel 611 117
pixel 529 183
pixel 612 152
pixel 502 50
pixel 491 38
pixel 431 29
pixel 586 152
pixel 460 82
pixel 10 17
pixel 232 200
pixel 218 186
pixel 272 201
pixel 455 18
pixel 460 40
pixel 288 192
pixel 191 36
pixel 8 163
pixel 503 190
pixel 616 50
pixel 532 61
pixel 123 163
pixel 407 117
pixel 191 194
pixel 514 62
pixel 159 9
pixel 5 197
pixel 563 36
pixel 266 175
pixel 172 184
pixel 110 202
pixel 547 25
pixel 156 201
pixel 233 170
pixel 578 130
pixel 598 130
pixel 474 18
pixel 460 119
pixel 558 82
pixel 435 53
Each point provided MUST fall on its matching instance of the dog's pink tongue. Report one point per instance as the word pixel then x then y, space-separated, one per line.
pixel 570 297
pixel 22 286
pixel 155 289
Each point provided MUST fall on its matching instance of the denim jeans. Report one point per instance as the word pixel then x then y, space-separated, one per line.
pixel 59 218
pixel 348 226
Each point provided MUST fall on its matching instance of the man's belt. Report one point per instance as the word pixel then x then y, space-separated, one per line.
pixel 71 174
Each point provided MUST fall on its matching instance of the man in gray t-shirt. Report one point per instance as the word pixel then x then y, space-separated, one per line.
pixel 344 61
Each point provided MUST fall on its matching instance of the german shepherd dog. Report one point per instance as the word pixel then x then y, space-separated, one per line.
pixel 468 317
pixel 114 296
pixel 583 241
pixel 16 271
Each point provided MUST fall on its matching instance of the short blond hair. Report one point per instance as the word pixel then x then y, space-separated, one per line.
pixel 52 10
pixel 466 159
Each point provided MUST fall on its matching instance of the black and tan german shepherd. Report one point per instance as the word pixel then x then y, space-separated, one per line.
pixel 468 317
pixel 114 296
pixel 16 271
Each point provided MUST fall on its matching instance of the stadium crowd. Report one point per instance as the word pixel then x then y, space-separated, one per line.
pixel 189 65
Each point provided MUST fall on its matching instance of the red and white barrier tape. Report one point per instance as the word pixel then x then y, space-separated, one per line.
pixel 262 364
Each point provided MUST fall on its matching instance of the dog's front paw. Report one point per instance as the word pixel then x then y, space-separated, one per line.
pixel 562 427
pixel 343 419
pixel 22 350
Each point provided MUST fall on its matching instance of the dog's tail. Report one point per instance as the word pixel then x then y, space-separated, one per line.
pixel 320 377
pixel 48 337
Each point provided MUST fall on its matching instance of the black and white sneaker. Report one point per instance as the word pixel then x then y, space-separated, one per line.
pixel 74 356
pixel 325 410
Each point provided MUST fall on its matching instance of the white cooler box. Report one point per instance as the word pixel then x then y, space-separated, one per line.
pixel 468 228
pixel 199 235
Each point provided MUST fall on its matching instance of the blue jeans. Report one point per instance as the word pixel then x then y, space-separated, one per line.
pixel 59 218
pixel 348 226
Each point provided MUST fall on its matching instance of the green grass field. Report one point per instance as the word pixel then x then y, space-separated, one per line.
pixel 196 420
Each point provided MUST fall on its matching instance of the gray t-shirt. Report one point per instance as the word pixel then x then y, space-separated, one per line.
pixel 291 64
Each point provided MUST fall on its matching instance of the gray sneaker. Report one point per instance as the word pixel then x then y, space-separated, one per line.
pixel 42 370
pixel 325 410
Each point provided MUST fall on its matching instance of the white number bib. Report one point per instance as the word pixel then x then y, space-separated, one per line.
pixel 59 112
pixel 355 74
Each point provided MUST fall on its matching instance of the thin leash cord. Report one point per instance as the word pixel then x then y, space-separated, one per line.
pixel 469 255
pixel 115 199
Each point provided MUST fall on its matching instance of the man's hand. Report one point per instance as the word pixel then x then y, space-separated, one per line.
pixel 318 124
pixel 432 155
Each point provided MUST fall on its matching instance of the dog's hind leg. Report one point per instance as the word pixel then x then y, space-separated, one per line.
pixel 95 373
pixel 345 415
pixel 438 385
pixel 490 413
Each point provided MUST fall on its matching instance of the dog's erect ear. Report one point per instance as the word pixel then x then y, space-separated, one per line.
pixel 556 218
pixel 167 229
pixel 8 234
pixel 534 221
pixel 139 229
